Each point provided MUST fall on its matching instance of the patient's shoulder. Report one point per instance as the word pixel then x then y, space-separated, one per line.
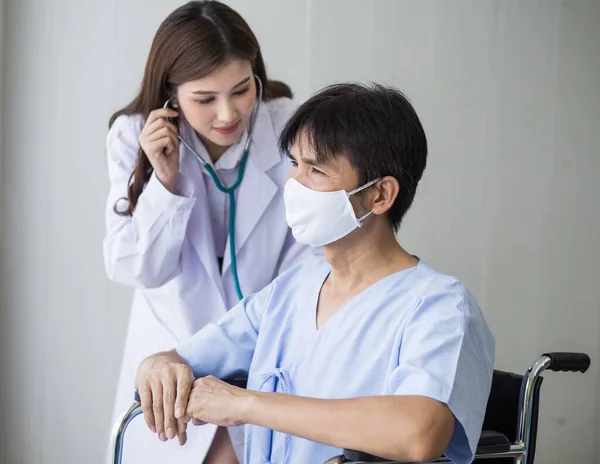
pixel 444 297
pixel 427 281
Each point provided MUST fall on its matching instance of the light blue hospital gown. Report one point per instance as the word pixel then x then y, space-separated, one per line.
pixel 415 332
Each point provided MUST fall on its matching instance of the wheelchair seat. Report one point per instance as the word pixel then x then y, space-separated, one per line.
pixel 493 441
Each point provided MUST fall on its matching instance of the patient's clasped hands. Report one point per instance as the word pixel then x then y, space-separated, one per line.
pixel 171 398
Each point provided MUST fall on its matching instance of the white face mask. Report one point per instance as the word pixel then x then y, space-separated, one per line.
pixel 320 218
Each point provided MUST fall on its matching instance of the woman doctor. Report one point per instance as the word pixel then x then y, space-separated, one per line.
pixel 197 141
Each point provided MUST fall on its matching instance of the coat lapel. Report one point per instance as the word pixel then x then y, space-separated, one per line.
pixel 199 227
pixel 257 189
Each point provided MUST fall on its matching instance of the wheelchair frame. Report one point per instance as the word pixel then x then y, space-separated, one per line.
pixel 521 450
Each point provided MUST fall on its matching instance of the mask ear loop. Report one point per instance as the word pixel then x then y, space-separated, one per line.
pixel 367 185
pixel 362 218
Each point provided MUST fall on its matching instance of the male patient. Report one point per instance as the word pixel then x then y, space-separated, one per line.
pixel 369 349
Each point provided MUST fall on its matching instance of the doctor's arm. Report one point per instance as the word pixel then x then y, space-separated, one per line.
pixel 141 250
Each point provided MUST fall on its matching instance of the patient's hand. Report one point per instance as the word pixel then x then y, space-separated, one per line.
pixel 216 402
pixel 164 383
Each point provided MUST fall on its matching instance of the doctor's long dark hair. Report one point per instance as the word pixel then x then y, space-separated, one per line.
pixel 192 42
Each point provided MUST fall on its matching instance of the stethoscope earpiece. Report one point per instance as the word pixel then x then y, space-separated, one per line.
pixel 171 103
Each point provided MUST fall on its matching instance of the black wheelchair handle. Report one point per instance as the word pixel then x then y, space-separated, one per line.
pixel 239 382
pixel 568 362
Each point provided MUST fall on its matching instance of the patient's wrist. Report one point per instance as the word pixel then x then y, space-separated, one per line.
pixel 250 403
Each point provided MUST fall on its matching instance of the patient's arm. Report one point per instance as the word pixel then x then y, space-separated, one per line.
pixel 223 349
pixel 403 428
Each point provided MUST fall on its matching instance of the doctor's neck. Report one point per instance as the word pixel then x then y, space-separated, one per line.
pixel 367 255
pixel 214 151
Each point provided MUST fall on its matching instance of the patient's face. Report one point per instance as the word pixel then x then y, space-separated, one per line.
pixel 336 174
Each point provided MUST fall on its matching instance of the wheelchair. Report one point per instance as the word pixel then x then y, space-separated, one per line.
pixel 509 427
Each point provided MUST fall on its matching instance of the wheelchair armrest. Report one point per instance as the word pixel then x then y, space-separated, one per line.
pixel 351 455
pixel 568 362
pixel 490 442
pixel 240 382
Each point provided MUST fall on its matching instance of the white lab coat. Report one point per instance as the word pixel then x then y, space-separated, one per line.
pixel 166 252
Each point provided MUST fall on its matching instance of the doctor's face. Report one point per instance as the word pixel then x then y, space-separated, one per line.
pixel 218 106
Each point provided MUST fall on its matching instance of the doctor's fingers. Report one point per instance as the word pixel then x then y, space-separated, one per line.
pixel 159 114
pixel 154 143
pixel 165 146
pixel 161 133
pixel 157 125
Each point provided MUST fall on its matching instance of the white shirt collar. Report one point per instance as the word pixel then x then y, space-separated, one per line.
pixel 229 160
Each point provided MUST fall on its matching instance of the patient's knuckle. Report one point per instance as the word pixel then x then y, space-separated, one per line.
pixel 169 398
pixel 166 373
pixel 182 369
pixel 185 383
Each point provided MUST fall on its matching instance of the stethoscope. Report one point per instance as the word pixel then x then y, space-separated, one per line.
pixel 230 191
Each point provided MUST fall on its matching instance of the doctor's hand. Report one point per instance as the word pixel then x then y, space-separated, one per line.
pixel 164 383
pixel 213 401
pixel 161 145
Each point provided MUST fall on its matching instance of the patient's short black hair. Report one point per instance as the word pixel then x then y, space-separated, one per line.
pixel 375 127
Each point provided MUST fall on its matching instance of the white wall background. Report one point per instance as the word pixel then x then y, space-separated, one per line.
pixel 509 93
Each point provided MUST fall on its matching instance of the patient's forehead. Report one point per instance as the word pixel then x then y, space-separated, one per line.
pixel 303 149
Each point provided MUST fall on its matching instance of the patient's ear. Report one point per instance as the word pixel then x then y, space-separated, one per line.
pixel 387 190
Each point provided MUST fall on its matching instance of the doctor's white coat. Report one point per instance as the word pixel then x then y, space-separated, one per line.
pixel 166 252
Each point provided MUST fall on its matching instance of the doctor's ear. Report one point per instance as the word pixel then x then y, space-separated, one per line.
pixel 385 192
